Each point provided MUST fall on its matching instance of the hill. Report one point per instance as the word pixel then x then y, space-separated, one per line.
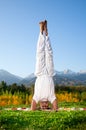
pixel 8 77
pixel 66 77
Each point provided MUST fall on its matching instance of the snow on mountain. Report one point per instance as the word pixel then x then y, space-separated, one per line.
pixel 82 72
pixel 67 71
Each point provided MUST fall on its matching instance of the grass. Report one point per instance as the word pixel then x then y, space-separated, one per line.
pixel 44 120
pixel 73 104
pixel 40 120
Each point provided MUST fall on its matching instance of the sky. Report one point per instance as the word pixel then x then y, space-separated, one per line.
pixel 19 31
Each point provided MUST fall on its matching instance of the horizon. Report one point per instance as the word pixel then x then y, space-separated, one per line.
pixel 81 72
pixel 19 31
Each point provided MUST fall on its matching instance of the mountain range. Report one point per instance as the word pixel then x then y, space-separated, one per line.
pixel 66 77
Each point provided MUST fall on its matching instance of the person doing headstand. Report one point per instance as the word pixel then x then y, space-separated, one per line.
pixel 44 85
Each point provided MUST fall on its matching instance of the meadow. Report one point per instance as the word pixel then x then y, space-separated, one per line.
pixel 71 114
pixel 44 120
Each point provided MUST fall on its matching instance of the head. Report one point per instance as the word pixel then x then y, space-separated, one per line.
pixel 44 104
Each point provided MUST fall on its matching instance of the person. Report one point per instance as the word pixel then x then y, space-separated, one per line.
pixel 44 85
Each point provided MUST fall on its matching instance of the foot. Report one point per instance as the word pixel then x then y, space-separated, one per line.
pixel 41 27
pixel 45 27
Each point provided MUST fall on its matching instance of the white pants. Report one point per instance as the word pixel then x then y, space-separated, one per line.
pixel 44 85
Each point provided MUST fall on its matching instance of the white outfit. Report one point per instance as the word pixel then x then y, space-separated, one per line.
pixel 44 85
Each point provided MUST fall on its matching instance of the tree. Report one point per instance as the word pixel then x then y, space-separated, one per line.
pixel 3 86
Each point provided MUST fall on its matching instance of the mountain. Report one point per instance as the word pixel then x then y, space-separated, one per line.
pixel 28 80
pixel 82 72
pixel 75 79
pixel 8 77
pixel 66 72
pixel 66 77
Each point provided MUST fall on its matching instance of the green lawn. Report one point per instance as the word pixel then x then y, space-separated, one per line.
pixel 40 120
pixel 73 104
pixel 44 120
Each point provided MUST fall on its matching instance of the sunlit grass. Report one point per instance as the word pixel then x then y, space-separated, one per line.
pixel 44 120
pixel 40 120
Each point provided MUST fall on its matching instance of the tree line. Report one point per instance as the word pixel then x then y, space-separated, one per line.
pixel 13 88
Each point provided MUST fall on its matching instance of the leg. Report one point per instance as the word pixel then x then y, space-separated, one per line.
pixel 33 105
pixel 49 57
pixel 40 56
